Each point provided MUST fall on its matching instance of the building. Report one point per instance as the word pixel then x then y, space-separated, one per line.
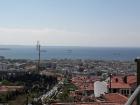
pixel 124 85
pixel 3 67
pixel 84 84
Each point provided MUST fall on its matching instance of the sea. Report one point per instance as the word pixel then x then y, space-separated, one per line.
pixel 61 52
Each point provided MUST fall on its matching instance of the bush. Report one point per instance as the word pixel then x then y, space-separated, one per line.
pixel 5 82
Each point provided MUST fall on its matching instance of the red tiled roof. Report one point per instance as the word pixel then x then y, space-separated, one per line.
pixel 88 103
pixel 3 89
pixel 83 82
pixel 131 79
pixel 86 86
pixel 81 79
pixel 118 81
pixel 119 78
pixel 120 85
pixel 10 88
pixel 115 98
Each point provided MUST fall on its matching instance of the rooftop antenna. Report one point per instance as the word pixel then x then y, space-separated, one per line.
pixel 110 80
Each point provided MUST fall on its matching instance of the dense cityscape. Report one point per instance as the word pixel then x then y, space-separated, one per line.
pixel 66 82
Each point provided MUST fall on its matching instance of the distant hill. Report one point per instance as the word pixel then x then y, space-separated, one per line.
pixel 5 49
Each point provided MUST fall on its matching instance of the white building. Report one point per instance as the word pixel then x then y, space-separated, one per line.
pixel 100 88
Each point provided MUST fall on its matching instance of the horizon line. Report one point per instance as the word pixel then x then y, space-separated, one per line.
pixel 31 45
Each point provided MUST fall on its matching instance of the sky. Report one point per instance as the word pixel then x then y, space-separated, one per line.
pixel 93 23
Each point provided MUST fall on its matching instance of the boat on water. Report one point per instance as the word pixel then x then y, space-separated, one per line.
pixel 69 51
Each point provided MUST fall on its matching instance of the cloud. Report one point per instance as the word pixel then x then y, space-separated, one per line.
pixel 24 30
pixel 55 37
pixel 45 35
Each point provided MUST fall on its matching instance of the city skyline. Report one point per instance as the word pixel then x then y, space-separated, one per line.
pixel 94 23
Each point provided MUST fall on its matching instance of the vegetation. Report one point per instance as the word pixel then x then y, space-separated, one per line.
pixel 64 95
pixel 34 86
pixel 5 82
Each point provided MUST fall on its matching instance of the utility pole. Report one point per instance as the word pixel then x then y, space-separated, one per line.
pixel 38 49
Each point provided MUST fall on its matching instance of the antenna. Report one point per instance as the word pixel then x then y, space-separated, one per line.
pixel 38 49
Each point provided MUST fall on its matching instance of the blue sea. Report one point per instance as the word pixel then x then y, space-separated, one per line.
pixel 49 52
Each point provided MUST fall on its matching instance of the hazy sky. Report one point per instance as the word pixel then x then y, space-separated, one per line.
pixel 70 22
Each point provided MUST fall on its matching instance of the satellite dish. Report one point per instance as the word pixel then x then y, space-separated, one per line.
pixel 100 88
